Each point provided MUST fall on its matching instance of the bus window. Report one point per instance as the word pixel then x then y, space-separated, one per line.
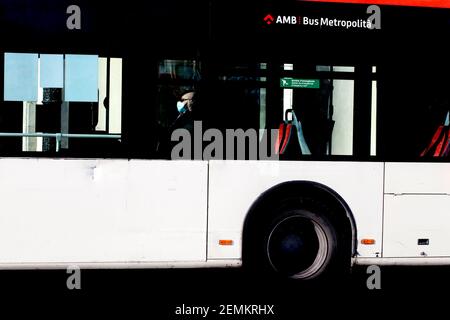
pixel 235 100
pixel 61 104
pixel 342 134
pixel 414 119
pixel 323 104
pixel 176 100
pixel 225 96
pixel 259 96
pixel 237 96
pixel 373 117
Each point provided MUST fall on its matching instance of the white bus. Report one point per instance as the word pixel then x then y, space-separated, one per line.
pixel 86 121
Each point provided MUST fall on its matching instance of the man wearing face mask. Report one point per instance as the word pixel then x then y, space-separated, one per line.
pixel 185 107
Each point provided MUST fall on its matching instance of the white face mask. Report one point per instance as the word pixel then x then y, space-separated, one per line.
pixel 181 106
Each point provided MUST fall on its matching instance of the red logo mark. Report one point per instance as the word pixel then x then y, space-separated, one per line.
pixel 268 19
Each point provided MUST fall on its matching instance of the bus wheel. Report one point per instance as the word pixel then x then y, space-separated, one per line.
pixel 298 244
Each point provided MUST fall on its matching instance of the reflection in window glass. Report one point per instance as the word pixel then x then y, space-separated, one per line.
pixel 179 69
pixel 343 69
pixel 373 127
pixel 81 78
pixel 342 138
pixel 49 125
pixel 51 70
pixel 323 68
pixel 21 77
pixel 115 100
pixel 102 93
pixel 288 66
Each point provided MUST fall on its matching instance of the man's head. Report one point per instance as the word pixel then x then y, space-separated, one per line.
pixel 188 99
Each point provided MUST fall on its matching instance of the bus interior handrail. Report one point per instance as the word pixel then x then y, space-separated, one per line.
pixel 59 136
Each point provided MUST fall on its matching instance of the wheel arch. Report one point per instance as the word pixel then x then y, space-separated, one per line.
pixel 301 188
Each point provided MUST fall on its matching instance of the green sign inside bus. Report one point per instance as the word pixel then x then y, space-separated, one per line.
pixel 300 83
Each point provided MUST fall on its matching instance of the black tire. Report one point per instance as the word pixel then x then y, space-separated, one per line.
pixel 296 240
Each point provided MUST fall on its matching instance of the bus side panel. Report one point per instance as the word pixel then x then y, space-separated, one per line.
pixel 69 211
pixel 417 202
pixel 416 226
pixel 235 185
pixel 417 178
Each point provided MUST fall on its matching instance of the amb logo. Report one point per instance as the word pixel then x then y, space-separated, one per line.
pixel 373 21
pixel 269 19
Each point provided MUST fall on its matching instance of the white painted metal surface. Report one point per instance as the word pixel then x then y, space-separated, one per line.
pixel 417 203
pixel 123 265
pixel 422 261
pixel 430 178
pixel 100 211
pixel 409 218
pixel 235 185
pixel 142 213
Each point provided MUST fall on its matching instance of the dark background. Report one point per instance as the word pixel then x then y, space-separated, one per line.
pixel 154 294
